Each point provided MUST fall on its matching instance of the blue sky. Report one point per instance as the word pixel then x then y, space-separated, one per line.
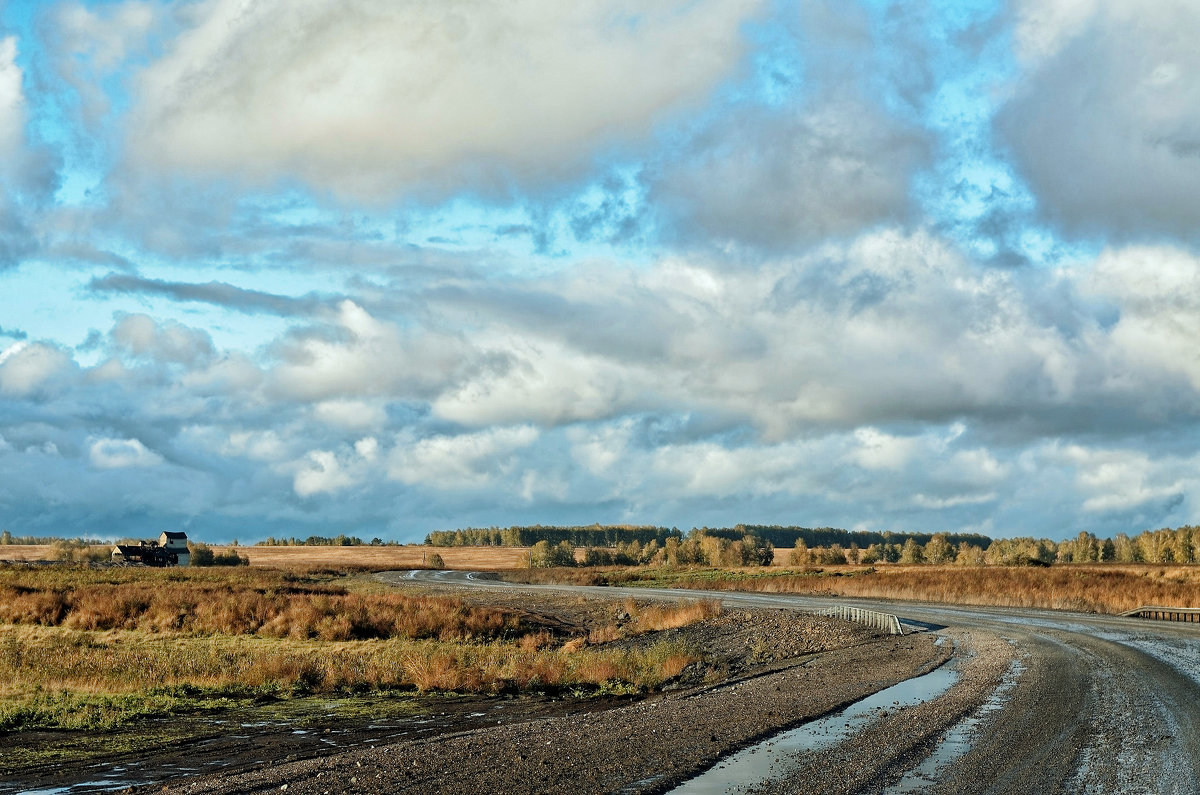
pixel 382 268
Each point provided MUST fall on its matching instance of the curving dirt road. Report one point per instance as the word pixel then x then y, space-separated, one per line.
pixel 1099 704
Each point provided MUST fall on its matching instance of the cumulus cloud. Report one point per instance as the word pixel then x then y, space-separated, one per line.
pixel 465 461
pixel 27 367
pixel 1104 121
pixel 887 327
pixel 882 376
pixel 362 356
pixel 379 97
pixel 12 100
pixel 350 414
pixel 776 178
pixel 121 454
pixel 837 156
pixel 1156 290
pixel 92 42
pixel 167 342
pixel 321 473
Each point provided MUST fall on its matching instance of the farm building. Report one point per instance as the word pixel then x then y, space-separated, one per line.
pixel 170 549
pixel 176 544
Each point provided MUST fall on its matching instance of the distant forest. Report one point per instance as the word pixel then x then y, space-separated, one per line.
pixel 612 535
pixel 787 536
pixel 590 536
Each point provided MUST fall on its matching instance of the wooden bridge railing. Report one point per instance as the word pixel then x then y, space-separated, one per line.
pixel 1187 614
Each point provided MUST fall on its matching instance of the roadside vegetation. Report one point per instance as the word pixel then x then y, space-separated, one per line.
pixel 86 648
pixel 1097 588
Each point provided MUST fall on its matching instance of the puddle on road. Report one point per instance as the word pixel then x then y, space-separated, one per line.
pixel 753 765
pixel 956 741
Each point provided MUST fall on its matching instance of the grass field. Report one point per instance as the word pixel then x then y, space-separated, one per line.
pixel 85 647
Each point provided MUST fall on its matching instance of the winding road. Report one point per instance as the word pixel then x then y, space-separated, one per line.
pixel 1100 704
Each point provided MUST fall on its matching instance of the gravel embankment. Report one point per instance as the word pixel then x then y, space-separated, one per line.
pixel 644 747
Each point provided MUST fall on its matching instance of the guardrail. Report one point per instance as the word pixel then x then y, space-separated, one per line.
pixel 1189 615
pixel 871 618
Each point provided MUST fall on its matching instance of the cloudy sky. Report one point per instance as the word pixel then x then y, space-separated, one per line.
pixel 375 267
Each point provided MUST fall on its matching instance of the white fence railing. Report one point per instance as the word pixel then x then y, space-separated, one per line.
pixel 871 618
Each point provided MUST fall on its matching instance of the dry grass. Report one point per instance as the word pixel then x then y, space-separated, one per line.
pixel 659 617
pixel 38 660
pixel 269 603
pixel 1099 588
pixel 87 648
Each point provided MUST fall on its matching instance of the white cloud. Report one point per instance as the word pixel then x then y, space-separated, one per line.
pixel 258 445
pixel 321 473
pixel 166 342
pixel 466 461
pixel 1156 290
pixel 878 450
pixel 375 97
pixel 26 367
pixel 350 414
pixel 776 178
pixel 1105 120
pixel 1114 479
pixel 367 357
pixel 367 448
pixel 121 454
pixel 12 100
pixel 93 42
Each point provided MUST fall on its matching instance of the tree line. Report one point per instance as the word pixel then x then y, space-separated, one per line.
pixel 1166 545
pixel 708 547
pixel 697 549
pixel 342 540
pixel 596 535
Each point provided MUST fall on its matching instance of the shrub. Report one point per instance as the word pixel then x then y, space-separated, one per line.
pixel 544 555
pixel 200 554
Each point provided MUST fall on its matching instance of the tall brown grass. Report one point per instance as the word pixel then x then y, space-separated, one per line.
pixel 653 618
pixel 52 658
pixel 83 647
pixel 271 604
pixel 1100 588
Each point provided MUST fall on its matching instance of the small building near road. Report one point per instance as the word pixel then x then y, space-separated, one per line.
pixel 176 544
pixel 170 549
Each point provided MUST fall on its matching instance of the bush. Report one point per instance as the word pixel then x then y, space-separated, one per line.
pixel 200 554
pixel 543 555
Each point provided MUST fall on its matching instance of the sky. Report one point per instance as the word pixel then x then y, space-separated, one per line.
pixel 295 267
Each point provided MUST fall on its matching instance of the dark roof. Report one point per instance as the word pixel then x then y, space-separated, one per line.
pixel 174 536
pixel 126 549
